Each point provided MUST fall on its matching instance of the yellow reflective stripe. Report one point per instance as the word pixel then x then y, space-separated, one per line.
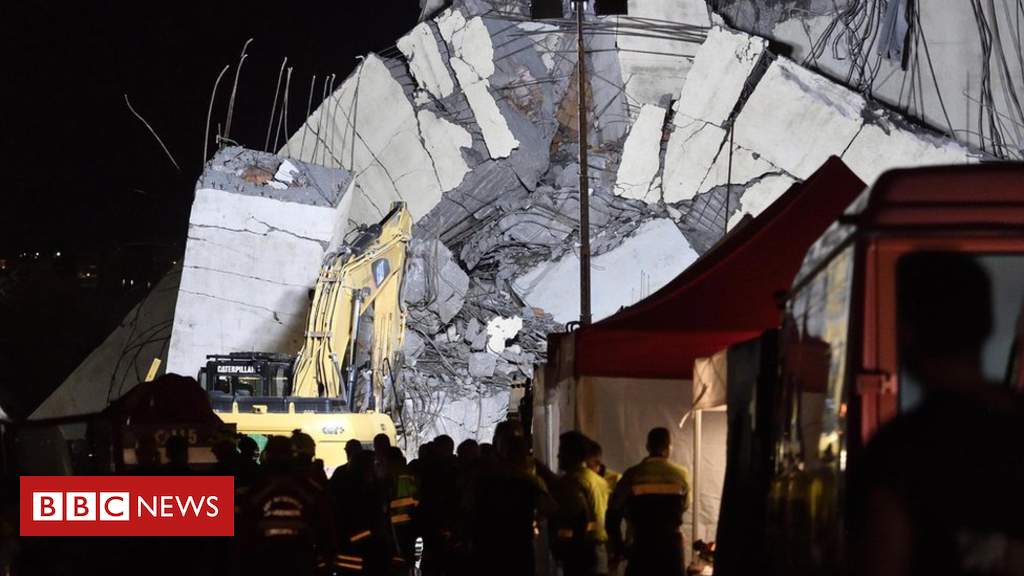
pixel 353 559
pixel 657 489
pixel 404 502
pixel 591 526
pixel 360 536
pixel 349 566
pixel 565 533
pixel 400 518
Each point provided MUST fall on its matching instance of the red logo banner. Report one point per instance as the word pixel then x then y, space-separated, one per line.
pixel 127 506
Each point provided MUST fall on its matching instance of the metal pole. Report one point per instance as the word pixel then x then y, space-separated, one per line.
pixel 584 180
pixel 698 433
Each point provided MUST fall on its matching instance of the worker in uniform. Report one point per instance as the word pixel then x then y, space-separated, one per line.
pixel 285 519
pixel 504 503
pixel 362 527
pixel 578 525
pixel 595 463
pixel 403 490
pixel 652 497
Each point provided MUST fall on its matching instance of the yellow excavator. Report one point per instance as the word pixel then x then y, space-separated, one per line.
pixel 331 390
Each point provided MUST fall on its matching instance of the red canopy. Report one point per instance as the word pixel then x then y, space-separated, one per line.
pixel 725 297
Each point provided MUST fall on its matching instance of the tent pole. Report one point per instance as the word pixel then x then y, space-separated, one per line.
pixel 695 489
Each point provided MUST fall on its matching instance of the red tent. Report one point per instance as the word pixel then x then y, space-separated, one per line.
pixel 727 296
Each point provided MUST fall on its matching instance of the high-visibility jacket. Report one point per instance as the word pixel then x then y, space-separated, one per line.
pixel 611 477
pixel 403 498
pixel 582 499
pixel 652 496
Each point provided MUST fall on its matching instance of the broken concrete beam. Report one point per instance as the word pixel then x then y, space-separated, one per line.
pixel 795 119
pixel 369 126
pixel 723 65
pixel 886 142
pixel 253 252
pixel 473 62
pixel 640 156
pixel 656 43
pixel 642 264
pixel 425 61
pixel 759 194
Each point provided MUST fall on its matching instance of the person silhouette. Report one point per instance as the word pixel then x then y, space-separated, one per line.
pixel 938 489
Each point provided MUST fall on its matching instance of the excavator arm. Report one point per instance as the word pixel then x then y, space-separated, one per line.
pixel 366 273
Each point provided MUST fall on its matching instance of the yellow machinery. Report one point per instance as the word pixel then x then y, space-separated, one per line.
pixel 327 391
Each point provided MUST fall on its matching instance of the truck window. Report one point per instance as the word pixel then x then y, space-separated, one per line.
pixel 814 359
pixel 1006 274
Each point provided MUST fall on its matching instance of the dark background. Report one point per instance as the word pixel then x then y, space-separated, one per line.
pixel 85 179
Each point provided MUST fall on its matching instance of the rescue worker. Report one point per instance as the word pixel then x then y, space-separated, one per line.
pixel 594 454
pixel 285 524
pixel 363 529
pixel 439 483
pixel 652 496
pixel 177 457
pixel 248 467
pixel 402 502
pixel 578 526
pixel 504 502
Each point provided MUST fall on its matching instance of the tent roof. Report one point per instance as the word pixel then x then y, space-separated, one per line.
pixel 726 296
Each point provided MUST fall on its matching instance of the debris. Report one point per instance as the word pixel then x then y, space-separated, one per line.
pixel 482 364
pixel 500 330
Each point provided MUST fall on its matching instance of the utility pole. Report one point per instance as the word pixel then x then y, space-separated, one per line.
pixel 581 74
pixel 544 9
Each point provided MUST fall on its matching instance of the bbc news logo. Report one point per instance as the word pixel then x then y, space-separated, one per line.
pixel 127 506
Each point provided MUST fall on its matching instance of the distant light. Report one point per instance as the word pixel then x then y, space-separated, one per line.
pixel 57 255
pixel 37 254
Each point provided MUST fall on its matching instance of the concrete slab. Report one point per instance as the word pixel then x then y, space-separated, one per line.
pixel 657 43
pixel 444 142
pixel 249 264
pixel 642 264
pixel 640 156
pixel 372 130
pixel 425 61
pixel 881 145
pixel 720 70
pixel 692 150
pixel 760 194
pixel 796 119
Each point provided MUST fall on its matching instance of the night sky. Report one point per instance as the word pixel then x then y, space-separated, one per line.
pixel 84 177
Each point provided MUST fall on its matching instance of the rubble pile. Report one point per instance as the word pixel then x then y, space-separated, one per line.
pixel 471 120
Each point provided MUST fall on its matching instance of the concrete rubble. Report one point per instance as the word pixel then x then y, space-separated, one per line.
pixel 472 121
pixel 953 66
pixel 253 252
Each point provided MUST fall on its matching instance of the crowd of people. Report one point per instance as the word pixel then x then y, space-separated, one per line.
pixel 478 508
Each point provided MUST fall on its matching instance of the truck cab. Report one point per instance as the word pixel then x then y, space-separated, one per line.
pixel 839 377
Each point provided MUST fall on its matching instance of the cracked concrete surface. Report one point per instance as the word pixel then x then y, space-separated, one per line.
pixel 640 156
pixel 249 262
